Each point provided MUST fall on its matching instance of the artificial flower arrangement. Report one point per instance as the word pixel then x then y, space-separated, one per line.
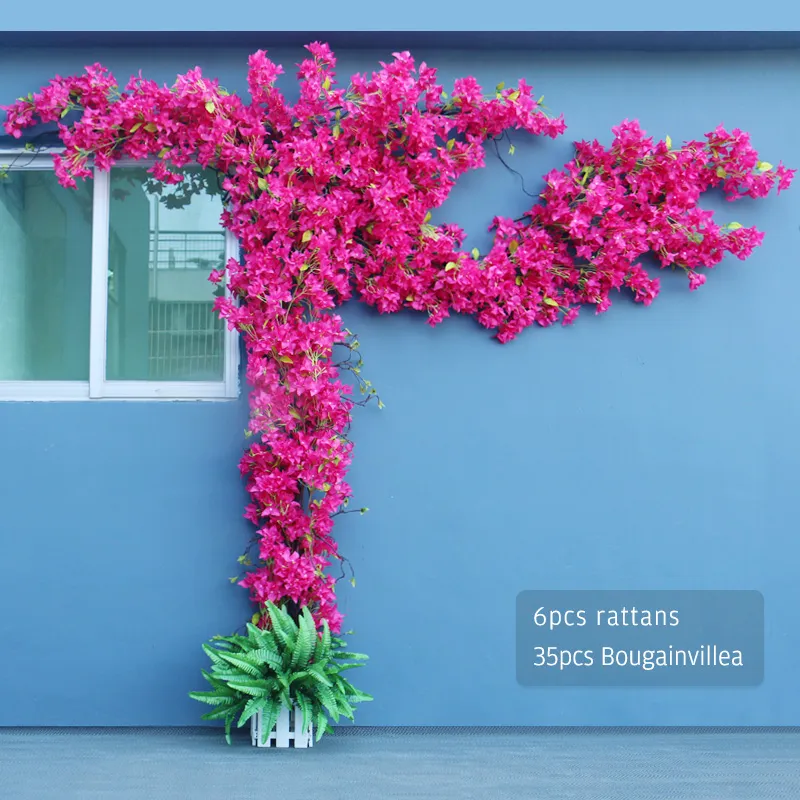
pixel 287 666
pixel 331 198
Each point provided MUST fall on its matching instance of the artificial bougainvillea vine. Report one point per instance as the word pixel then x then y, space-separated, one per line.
pixel 330 197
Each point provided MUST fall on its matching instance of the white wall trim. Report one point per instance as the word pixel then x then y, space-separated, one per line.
pixel 99 304
pixel 164 390
pixel 231 337
pixel 43 391
pixel 18 158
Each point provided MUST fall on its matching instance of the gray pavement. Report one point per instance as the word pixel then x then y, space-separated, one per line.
pixel 360 763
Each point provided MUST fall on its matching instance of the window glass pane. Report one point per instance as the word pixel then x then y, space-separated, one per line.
pixel 164 241
pixel 45 277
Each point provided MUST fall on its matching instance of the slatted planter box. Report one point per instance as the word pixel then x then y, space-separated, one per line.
pixel 286 733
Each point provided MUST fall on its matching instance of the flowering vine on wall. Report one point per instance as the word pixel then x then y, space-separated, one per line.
pixel 330 198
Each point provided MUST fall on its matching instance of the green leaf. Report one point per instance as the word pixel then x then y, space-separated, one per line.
pixel 764 166
pixel 269 716
pixel 322 724
pixel 733 226
pixel 328 700
pixel 322 648
pixel 514 95
pixel 212 654
pixel 253 688
pixel 450 265
pixel 511 150
pixel 500 86
pixel 326 84
pixel 512 246
pixel 343 667
pixel 267 655
pixel 451 144
pixel 263 638
pixel 215 715
pixel 550 302
pixel 427 218
pixel 254 705
pixel 210 107
pixel 476 253
pixel 316 671
pixel 668 143
pixel 213 698
pixel 360 697
pixel 262 184
pixel 221 713
pixel 300 678
pixel 340 655
pixel 243 664
pixel 305 707
pixel 65 112
pixel 721 172
pixel 307 236
pixel 282 626
pixel 305 641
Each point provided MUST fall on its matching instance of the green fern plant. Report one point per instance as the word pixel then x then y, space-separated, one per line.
pixel 289 665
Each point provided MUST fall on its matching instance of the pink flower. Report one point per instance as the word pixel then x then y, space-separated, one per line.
pixel 330 196
pixel 696 280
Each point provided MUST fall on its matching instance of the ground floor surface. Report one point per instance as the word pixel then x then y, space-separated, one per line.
pixel 387 763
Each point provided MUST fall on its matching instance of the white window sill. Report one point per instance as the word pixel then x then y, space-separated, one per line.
pixel 66 391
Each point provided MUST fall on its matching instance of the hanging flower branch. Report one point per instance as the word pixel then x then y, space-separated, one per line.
pixel 331 196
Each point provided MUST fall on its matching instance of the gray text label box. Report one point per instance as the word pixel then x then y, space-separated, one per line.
pixel 640 638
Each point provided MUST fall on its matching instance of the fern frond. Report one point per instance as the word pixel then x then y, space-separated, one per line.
pixel 213 698
pixel 269 716
pixel 322 648
pixel 242 663
pixel 307 633
pixel 319 675
pixel 265 655
pixel 328 700
pixel 254 705
pixel 283 632
pixel 305 706
pixel 254 688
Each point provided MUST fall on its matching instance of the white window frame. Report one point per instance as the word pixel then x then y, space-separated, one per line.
pixel 98 387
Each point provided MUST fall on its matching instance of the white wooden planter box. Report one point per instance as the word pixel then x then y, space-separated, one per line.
pixel 286 733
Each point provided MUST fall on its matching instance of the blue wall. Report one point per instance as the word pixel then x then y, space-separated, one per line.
pixel 646 448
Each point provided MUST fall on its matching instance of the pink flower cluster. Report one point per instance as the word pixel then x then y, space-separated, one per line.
pixel 331 197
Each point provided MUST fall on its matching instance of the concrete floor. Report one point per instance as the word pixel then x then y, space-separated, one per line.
pixel 388 763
